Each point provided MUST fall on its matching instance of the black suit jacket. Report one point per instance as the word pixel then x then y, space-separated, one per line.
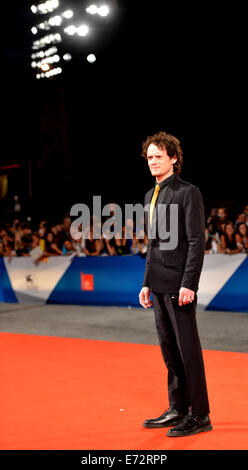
pixel 168 270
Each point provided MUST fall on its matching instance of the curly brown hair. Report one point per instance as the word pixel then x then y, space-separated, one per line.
pixel 168 142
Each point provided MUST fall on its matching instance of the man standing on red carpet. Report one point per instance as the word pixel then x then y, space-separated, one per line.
pixel 172 275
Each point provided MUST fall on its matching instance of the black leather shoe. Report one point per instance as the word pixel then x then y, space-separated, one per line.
pixel 191 425
pixel 169 418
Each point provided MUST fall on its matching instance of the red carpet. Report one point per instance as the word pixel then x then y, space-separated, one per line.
pixel 63 393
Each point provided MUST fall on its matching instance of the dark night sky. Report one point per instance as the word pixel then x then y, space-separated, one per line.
pixel 164 68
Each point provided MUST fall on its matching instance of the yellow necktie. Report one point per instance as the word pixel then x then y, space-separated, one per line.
pixel 153 201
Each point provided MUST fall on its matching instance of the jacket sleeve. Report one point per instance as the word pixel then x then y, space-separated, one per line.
pixel 146 280
pixel 195 233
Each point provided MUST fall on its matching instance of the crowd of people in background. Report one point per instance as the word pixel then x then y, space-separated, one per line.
pixel 46 239
pixel 224 235
pixel 22 238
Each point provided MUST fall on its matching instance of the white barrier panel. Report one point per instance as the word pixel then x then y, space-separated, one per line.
pixel 36 281
pixel 216 271
pixel 117 280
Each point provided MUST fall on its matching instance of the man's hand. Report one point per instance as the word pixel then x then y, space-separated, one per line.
pixel 185 296
pixel 144 297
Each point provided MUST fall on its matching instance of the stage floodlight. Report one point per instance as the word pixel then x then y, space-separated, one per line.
pixel 92 9
pixel 50 51
pixel 44 67
pixel 91 58
pixel 50 38
pixel 42 8
pixel 67 57
pixel 52 72
pixel 53 26
pixel 82 30
pixel 47 7
pixel 50 60
pixel 55 20
pixel 103 10
pixel 68 14
pixel 70 30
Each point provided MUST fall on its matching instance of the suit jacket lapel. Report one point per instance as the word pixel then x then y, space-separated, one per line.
pixel 168 197
pixel 147 213
pixel 161 212
pixel 169 194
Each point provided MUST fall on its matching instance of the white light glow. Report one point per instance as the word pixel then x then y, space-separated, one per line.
pixel 37 75
pixel 82 30
pixel 44 67
pixel 92 9
pixel 33 9
pixel 67 57
pixel 52 72
pixel 42 26
pixel 33 64
pixel 50 51
pixel 34 30
pixel 55 20
pixel 70 30
pixel 103 10
pixel 91 58
pixel 49 60
pixel 48 6
pixel 68 14
pixel 46 40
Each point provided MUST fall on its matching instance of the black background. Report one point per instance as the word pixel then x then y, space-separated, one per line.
pixel 160 66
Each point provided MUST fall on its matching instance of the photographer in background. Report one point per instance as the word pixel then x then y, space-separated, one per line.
pixel 212 240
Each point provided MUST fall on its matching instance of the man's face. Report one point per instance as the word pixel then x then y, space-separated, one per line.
pixel 159 162
pixel 241 218
pixel 221 213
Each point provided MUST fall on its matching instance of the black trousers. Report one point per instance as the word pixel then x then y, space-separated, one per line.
pixel 182 353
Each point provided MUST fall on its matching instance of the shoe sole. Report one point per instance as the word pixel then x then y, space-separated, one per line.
pixel 167 425
pixel 209 427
